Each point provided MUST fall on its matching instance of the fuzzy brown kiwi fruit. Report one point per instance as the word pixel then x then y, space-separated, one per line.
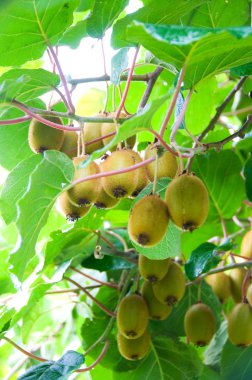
pixel 199 324
pixel 108 128
pixel 69 210
pixel 134 349
pixel 246 246
pixel 142 179
pixel 132 316
pixel 187 200
pixel 85 193
pixel 70 142
pixel 104 201
pixel 157 310
pixel 42 137
pixel 167 163
pixel 93 131
pixel 172 287
pixel 240 325
pixel 148 221
pixel 236 277
pixel 220 284
pixel 119 185
pixel 153 270
pixel 249 295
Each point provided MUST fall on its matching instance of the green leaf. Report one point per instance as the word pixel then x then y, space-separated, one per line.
pixel 59 370
pixel 5 318
pixel 6 285
pixel 225 195
pixel 167 12
pixel 193 47
pixel 46 182
pixel 119 63
pixel 73 36
pixel 103 14
pixel 106 264
pixel 248 178
pixel 212 354
pixel 243 70
pixel 236 362
pixel 36 23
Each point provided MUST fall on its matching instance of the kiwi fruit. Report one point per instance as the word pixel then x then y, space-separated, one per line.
pixel 42 137
pixel 199 324
pixel 246 246
pixel 70 142
pixel 119 185
pixel 148 221
pixel 93 131
pixel 153 270
pixel 171 288
pixel 132 316
pixel 104 201
pixel 157 310
pixel 69 210
pixel 249 294
pixel 187 200
pixel 167 163
pixel 134 349
pixel 240 325
pixel 236 279
pixel 108 128
pixel 85 193
pixel 142 179
pixel 220 284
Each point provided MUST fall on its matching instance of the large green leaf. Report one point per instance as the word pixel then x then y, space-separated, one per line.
pixel 212 355
pixel 6 285
pixel 203 51
pixel 73 36
pixel 248 178
pixel 48 179
pixel 5 318
pixel 28 25
pixel 236 362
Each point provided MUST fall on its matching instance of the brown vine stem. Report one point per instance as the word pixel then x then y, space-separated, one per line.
pixel 32 356
pixel 75 290
pixel 109 284
pixel 98 360
pixel 98 303
pixel 238 112
pixel 166 146
pixel 15 121
pixel 151 83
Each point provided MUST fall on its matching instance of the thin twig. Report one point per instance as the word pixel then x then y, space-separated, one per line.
pixel 24 351
pixel 105 78
pixel 109 284
pixel 98 360
pixel 15 121
pixel 151 83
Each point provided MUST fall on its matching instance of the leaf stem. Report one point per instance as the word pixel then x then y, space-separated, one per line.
pixel 24 351
pixel 15 121
pixel 106 77
pixel 151 83
pixel 98 360
pixel 109 284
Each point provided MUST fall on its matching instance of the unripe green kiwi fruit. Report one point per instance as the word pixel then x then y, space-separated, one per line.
pixel 132 316
pixel 70 142
pixel 104 201
pixel 157 310
pixel 69 210
pixel 119 185
pixel 249 294
pixel 240 325
pixel 199 324
pixel 246 246
pixel 41 137
pixel 134 349
pixel 220 284
pixel 171 288
pixel 153 270
pixel 237 276
pixel 142 179
pixel 148 221
pixel 85 193
pixel 108 128
pixel 93 131
pixel 187 200
pixel 167 163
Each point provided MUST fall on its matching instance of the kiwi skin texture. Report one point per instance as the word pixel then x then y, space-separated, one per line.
pixel 93 131
pixel 134 349
pixel 249 295
pixel 42 137
pixel 221 285
pixel 188 202
pixel 69 210
pixel 172 287
pixel 85 193
pixel 107 128
pixel 132 316
pixel 152 270
pixel 157 310
pixel 142 178
pixel 70 142
pixel 119 185
pixel 246 246
pixel 104 201
pixel 199 324
pixel 236 278
pixel 148 221
pixel 240 325
pixel 167 163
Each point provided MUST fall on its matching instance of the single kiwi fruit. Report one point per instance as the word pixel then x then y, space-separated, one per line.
pixel 153 270
pixel 119 185
pixel 42 137
pixel 187 200
pixel 69 210
pixel 105 201
pixel 134 349
pixel 132 316
pixel 221 285
pixel 157 310
pixel 199 324
pixel 70 142
pixel 142 179
pixel 246 245
pixel 108 128
pixel 85 193
pixel 240 325
pixel 148 221
pixel 236 279
pixel 249 295
pixel 93 131
pixel 167 162
pixel 171 288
